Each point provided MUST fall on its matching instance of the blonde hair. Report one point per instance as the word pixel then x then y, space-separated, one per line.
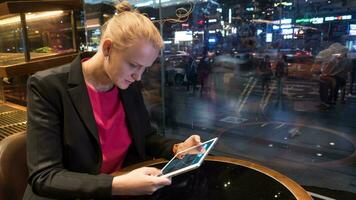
pixel 129 26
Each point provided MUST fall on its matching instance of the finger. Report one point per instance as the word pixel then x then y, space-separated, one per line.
pixel 180 156
pixel 157 173
pixel 196 139
pixel 162 181
pixel 151 171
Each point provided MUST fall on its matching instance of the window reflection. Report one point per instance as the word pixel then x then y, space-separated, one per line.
pixel 11 47
pixel 49 33
pixel 254 70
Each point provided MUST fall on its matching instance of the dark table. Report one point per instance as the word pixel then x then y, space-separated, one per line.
pixel 221 178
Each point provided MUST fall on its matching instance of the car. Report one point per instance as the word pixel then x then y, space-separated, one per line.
pixel 297 55
pixel 301 68
pixel 175 64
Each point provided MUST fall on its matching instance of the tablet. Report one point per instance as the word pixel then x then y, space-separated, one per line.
pixel 188 159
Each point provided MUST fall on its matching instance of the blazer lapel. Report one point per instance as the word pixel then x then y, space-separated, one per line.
pixel 80 98
pixel 132 118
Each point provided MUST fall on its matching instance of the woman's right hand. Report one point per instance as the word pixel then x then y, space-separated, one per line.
pixel 141 181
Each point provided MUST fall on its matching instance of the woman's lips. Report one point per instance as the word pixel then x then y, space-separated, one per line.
pixel 128 82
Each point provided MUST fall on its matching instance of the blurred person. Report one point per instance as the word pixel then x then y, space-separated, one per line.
pixel 327 83
pixel 352 76
pixel 281 71
pixel 337 68
pixel 340 73
pixel 87 119
pixel 264 70
pixel 191 73
pixel 204 70
pixel 333 77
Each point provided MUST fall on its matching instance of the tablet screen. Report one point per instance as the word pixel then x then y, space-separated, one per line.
pixel 188 159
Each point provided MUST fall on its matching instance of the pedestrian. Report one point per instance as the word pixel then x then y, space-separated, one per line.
pixel 264 69
pixel 281 71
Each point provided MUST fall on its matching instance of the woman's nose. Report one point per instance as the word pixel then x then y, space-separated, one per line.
pixel 136 76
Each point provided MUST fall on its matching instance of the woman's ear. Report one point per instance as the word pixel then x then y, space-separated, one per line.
pixel 107 47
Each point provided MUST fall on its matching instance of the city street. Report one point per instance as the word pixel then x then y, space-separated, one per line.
pixel 289 134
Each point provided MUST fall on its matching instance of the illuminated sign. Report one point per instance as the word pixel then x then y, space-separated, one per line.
pixel 284 26
pixel 269 37
pixel 200 22
pixel 287 31
pixel 352 29
pixel 320 20
pixel 352 32
pixel 212 20
pixel 150 3
pixel 275 27
pixel 283 4
pixel 317 20
pixel 163 1
pixel 180 36
pixel 283 21
pixel 346 17
pixel 212 40
pixel 343 17
pixel 305 20
pixel 288 37
pixel 230 15
pixel 144 4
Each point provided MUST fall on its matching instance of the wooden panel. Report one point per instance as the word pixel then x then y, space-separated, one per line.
pixel 34 66
pixel 38 6
pixel 39 64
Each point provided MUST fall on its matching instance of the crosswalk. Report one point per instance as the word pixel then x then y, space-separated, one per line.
pixel 297 89
pixel 292 89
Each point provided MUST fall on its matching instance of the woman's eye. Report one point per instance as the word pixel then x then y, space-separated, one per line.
pixel 133 65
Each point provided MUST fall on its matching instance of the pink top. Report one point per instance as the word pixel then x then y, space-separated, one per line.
pixel 114 136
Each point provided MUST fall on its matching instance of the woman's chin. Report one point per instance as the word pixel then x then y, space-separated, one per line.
pixel 124 85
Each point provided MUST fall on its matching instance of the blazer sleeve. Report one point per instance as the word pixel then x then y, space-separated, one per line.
pixel 47 174
pixel 160 147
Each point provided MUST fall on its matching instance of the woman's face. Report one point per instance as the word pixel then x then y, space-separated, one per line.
pixel 125 67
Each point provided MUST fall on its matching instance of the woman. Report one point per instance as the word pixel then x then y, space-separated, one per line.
pixel 87 119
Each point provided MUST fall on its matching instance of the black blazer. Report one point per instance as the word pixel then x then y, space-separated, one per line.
pixel 63 149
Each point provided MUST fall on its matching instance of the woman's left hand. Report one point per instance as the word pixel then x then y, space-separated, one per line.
pixel 193 140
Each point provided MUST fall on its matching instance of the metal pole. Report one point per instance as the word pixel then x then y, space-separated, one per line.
pixel 26 48
pixel 163 69
pixel 74 31
pixel 280 24
pixel 85 27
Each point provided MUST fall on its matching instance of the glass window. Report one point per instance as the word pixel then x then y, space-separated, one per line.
pixel 11 46
pixel 49 33
pixel 93 34
pixel 274 80
pixel 251 73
